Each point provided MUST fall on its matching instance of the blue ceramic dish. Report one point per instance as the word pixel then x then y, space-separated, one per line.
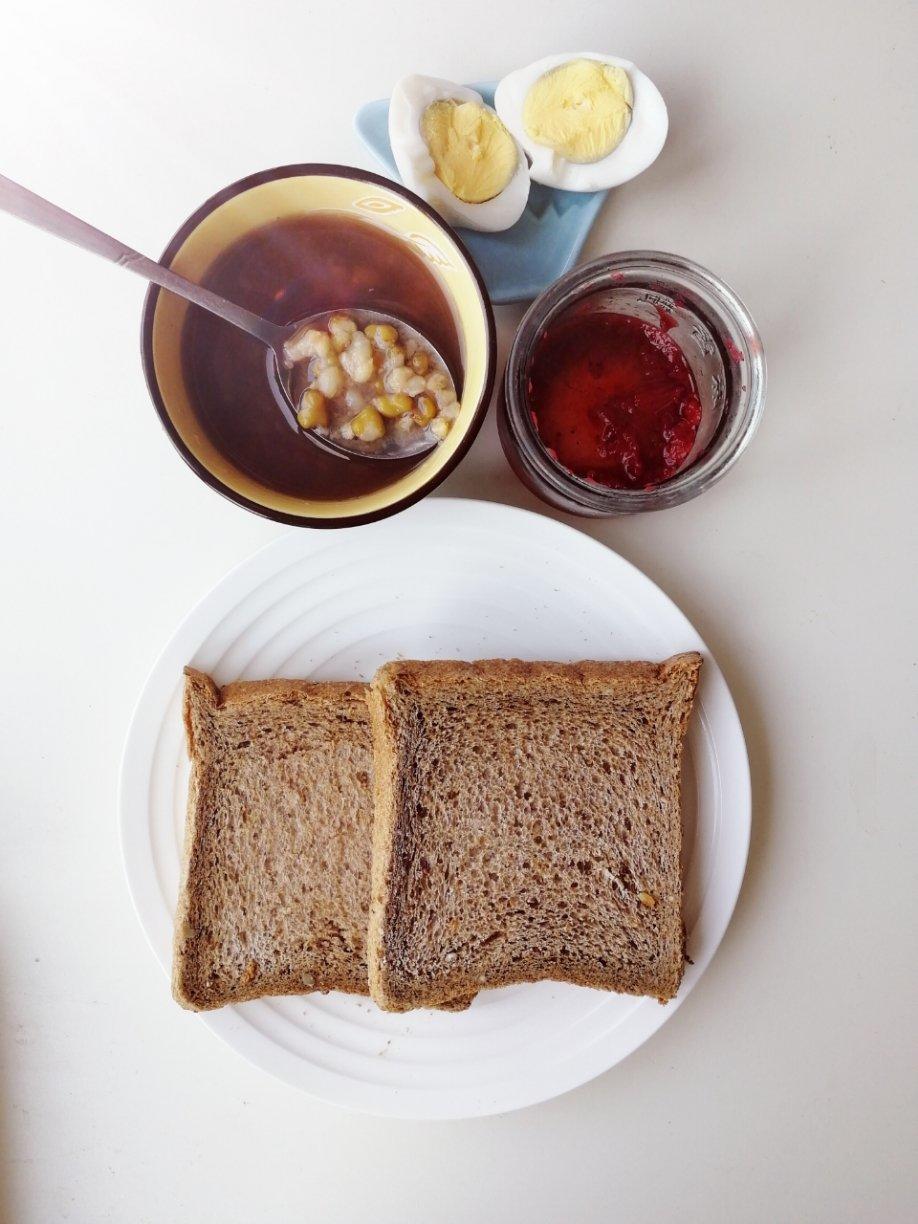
pixel 520 262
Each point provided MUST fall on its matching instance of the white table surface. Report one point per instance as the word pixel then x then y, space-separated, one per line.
pixel 785 1088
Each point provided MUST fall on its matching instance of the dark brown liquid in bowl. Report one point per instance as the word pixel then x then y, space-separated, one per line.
pixel 287 271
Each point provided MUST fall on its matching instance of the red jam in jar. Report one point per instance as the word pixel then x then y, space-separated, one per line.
pixel 613 398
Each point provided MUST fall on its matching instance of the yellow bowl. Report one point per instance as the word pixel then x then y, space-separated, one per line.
pixel 291 191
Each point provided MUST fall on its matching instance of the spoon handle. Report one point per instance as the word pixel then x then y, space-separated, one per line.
pixel 20 202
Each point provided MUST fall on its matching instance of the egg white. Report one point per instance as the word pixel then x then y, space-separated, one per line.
pixel 410 98
pixel 638 149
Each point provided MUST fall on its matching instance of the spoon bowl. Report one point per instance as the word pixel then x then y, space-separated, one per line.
pixel 283 376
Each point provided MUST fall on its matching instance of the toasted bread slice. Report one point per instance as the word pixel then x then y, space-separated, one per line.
pixel 275 885
pixel 527 826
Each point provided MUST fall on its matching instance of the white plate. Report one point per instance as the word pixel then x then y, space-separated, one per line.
pixel 447 579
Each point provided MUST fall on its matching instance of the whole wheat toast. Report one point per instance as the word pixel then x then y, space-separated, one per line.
pixel 527 826
pixel 275 882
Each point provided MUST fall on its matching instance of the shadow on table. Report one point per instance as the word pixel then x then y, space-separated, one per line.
pixel 7 1053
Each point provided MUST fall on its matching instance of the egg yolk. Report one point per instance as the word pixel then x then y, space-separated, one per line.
pixel 474 155
pixel 581 109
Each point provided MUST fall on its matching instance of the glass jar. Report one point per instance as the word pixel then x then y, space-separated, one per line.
pixel 710 325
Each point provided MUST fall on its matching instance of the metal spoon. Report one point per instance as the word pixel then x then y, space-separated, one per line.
pixel 19 202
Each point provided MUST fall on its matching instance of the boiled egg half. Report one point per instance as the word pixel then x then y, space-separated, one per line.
pixel 588 122
pixel 455 153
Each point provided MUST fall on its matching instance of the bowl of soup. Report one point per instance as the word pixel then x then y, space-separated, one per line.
pixel 291 243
